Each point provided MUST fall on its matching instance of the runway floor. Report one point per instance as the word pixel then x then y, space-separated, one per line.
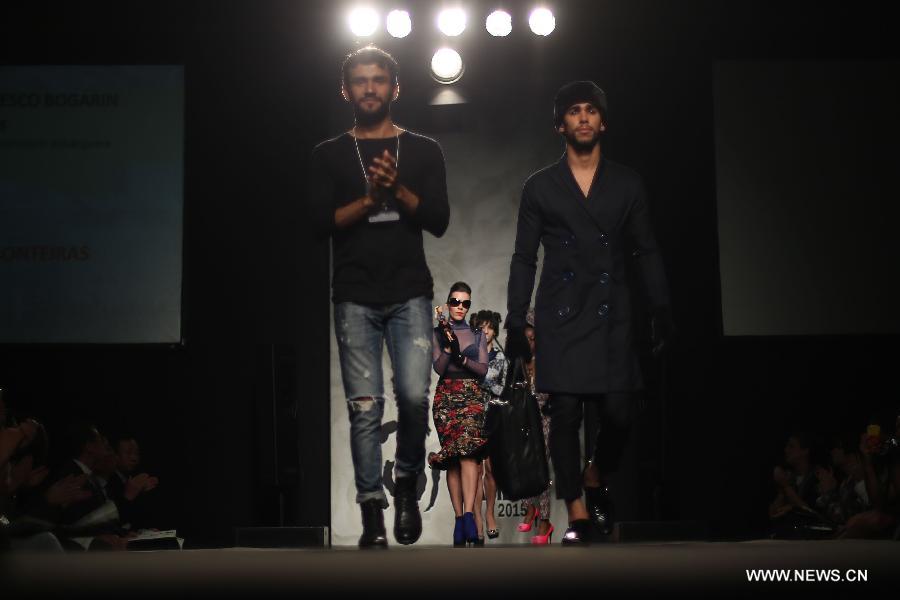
pixel 672 569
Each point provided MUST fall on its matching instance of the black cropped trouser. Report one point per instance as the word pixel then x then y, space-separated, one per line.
pixel 615 414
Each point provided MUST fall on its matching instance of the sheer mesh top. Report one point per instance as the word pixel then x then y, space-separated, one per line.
pixel 473 346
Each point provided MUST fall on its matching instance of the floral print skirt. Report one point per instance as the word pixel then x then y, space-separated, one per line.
pixel 458 408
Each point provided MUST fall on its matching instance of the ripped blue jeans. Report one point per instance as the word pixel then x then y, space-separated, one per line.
pixel 361 331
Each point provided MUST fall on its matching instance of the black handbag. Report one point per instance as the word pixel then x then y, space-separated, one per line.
pixel 513 423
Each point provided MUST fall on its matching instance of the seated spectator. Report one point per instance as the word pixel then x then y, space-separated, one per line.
pixel 92 521
pixel 123 484
pixel 795 480
pixel 22 470
pixel 792 513
pixel 881 466
pixel 842 484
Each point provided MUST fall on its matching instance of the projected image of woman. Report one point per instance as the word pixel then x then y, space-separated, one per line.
pixel 460 359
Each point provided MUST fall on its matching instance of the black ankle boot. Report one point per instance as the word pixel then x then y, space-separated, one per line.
pixel 373 535
pixel 407 520
pixel 578 533
pixel 599 507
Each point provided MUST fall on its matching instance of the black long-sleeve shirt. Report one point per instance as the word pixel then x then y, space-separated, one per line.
pixel 379 262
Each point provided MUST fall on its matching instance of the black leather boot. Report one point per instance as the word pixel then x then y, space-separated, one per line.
pixel 407 520
pixel 599 507
pixel 578 533
pixel 373 535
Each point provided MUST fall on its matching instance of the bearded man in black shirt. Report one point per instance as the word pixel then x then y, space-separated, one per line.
pixel 374 189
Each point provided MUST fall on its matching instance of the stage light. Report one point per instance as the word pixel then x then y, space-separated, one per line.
pixel 452 21
pixel 446 66
pixel 542 21
pixel 498 23
pixel 363 21
pixel 398 23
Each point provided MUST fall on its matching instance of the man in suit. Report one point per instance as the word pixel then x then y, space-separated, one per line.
pixel 93 515
pixel 123 484
pixel 589 213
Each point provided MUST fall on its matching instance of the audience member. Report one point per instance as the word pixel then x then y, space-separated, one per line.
pixel 94 520
pixel 124 485
pixel 881 468
pixel 792 513
pixel 25 521
pixel 842 485
pixel 795 479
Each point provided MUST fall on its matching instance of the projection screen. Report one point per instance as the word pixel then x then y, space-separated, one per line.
pixel 91 204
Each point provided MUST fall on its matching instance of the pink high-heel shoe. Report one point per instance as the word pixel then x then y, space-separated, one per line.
pixel 526 526
pixel 542 540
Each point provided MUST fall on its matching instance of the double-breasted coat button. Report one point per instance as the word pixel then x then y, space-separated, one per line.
pixel 603 309
pixel 604 239
pixel 568 240
pixel 562 312
pixel 604 278
pixel 568 275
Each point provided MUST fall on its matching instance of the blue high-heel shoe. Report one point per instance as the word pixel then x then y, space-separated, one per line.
pixel 459 534
pixel 470 529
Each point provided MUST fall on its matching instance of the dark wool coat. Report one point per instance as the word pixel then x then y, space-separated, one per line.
pixel 583 321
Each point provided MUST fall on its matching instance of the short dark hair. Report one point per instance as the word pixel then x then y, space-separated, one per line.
pixel 459 286
pixel 487 317
pixel 370 55
pixel 78 435
pixel 121 436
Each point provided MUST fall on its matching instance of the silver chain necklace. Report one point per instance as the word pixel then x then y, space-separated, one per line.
pixel 363 166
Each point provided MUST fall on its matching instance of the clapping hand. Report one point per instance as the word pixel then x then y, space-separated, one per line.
pixel 138 484
pixel 23 473
pixel 383 173
pixel 67 490
pixel 452 347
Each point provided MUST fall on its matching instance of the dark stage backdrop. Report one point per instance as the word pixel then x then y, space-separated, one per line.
pixel 806 159
pixel 261 79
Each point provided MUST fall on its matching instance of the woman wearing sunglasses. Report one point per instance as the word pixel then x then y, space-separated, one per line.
pixel 458 409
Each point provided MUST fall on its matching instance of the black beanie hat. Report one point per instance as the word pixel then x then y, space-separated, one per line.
pixel 575 92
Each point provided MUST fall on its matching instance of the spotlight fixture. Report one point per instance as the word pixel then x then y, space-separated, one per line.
pixel 446 66
pixel 542 21
pixel 452 21
pixel 398 23
pixel 498 23
pixel 363 21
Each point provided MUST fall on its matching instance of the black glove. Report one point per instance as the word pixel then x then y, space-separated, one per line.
pixel 517 344
pixel 452 346
pixel 662 328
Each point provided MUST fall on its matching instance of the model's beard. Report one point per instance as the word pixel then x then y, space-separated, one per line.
pixel 582 147
pixel 374 117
